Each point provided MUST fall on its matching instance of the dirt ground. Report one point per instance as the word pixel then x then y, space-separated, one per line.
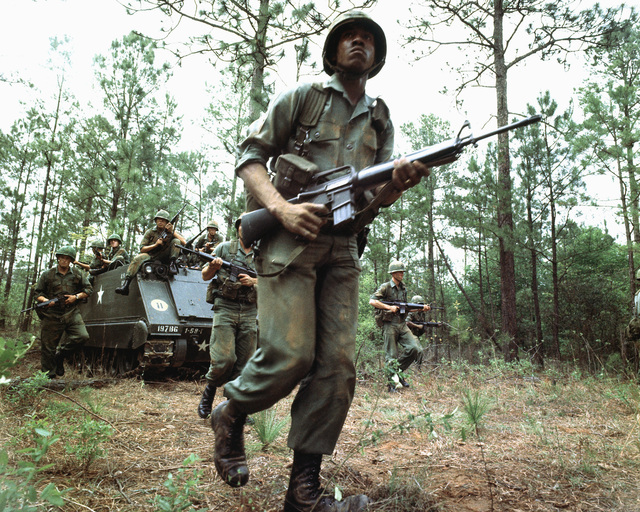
pixel 546 443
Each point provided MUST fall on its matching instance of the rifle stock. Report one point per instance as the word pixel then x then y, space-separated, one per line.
pixel 340 194
pixel 44 304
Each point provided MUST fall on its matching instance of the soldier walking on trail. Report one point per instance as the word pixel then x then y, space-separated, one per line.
pixel 64 316
pixel 400 345
pixel 308 289
pixel 233 337
pixel 158 244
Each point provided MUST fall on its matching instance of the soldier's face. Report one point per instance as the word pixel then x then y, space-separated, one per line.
pixel 161 223
pixel 356 50
pixel 398 276
pixel 114 243
pixel 212 231
pixel 64 261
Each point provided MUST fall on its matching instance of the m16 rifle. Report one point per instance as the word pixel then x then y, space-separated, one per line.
pixel 404 306
pixel 189 243
pixel 41 305
pixel 340 189
pixel 165 232
pixel 233 269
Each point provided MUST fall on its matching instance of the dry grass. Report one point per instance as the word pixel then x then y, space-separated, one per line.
pixel 544 445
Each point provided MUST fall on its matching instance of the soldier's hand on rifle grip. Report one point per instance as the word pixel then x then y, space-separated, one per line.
pixel 407 174
pixel 215 264
pixel 245 280
pixel 303 219
pixel 169 228
pixel 426 307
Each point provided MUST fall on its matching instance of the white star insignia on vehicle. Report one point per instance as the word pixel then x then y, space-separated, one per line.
pixel 100 295
pixel 203 346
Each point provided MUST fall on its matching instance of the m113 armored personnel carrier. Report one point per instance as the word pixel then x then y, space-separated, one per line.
pixel 164 322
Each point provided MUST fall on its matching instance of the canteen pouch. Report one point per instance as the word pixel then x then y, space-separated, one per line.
pixel 293 173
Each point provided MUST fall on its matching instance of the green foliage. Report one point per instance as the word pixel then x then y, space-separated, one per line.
pixel 27 394
pixel 475 407
pixel 11 351
pixel 182 488
pixel 19 484
pixel 268 426
pixel 85 440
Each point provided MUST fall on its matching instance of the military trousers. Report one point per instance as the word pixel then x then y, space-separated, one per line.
pixel 308 320
pixel 400 344
pixel 53 327
pixel 164 256
pixel 233 340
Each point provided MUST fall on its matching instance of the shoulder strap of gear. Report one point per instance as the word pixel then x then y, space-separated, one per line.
pixel 312 108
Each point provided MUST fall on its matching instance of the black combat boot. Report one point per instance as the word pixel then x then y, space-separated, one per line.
pixel 59 359
pixel 231 462
pixel 173 267
pixel 124 289
pixel 404 383
pixel 306 495
pixel 204 408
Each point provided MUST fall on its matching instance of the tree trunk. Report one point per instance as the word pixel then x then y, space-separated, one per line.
pixel 505 213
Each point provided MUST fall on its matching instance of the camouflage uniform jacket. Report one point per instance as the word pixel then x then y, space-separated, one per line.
pixel 52 284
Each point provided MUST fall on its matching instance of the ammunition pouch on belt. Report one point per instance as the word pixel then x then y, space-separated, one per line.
pixel 230 290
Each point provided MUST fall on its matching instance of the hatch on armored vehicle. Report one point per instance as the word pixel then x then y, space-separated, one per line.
pixel 164 321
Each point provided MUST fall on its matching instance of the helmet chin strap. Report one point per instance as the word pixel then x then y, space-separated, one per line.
pixel 349 75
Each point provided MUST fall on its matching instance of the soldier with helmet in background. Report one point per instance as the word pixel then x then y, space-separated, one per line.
pixel 158 244
pixel 208 242
pixel 400 345
pixel 234 333
pixel 308 299
pixel 117 255
pixel 97 248
pixel 633 329
pixel 417 329
pixel 70 285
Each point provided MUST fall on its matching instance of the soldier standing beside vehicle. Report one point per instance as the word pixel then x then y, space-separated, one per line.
pixel 234 333
pixel 158 244
pixel 400 345
pixel 62 317
pixel 117 255
pixel 308 298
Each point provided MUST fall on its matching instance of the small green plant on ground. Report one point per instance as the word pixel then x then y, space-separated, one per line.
pixel 182 488
pixel 475 407
pixel 27 394
pixel 11 351
pixel 85 441
pixel 19 485
pixel 268 426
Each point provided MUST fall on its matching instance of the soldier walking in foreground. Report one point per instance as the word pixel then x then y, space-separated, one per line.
pixel 308 303
pixel 158 244
pixel 69 285
pixel 233 337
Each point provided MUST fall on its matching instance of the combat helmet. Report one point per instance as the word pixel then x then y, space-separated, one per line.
pixel 418 299
pixel 396 266
pixel 212 224
pixel 335 30
pixel 162 214
pixel 67 250
pixel 638 274
pixel 97 244
pixel 114 236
